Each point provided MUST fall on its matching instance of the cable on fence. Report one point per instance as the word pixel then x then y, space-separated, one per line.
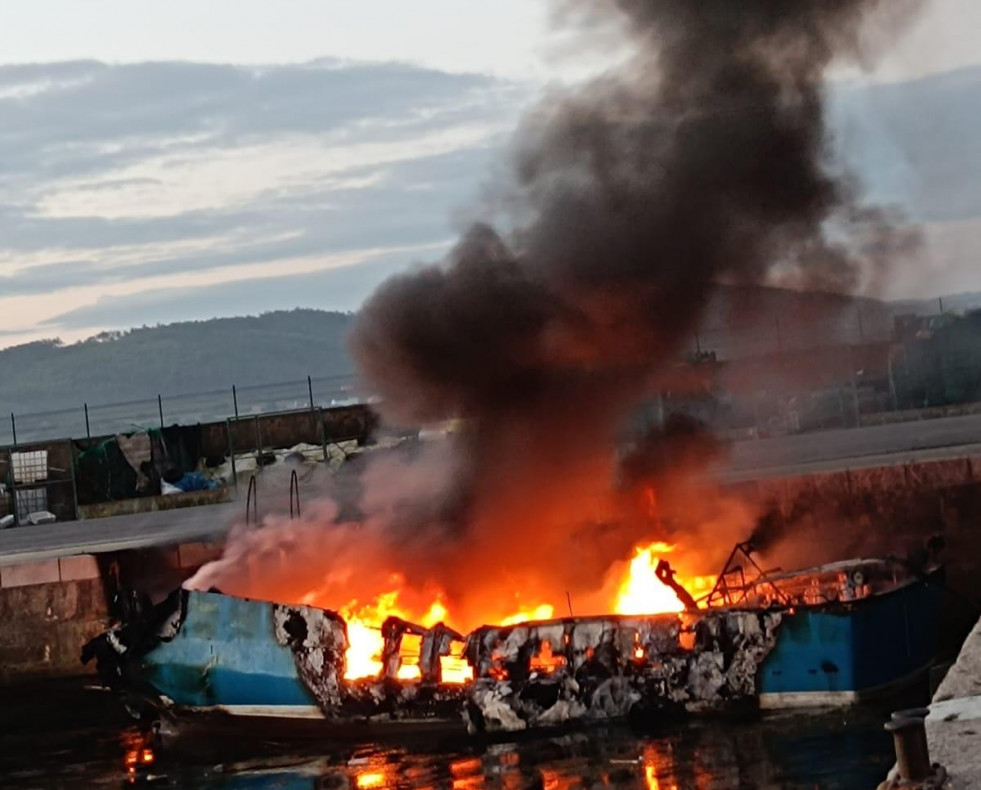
pixel 294 487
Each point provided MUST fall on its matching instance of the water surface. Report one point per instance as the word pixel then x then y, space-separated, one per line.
pixel 62 740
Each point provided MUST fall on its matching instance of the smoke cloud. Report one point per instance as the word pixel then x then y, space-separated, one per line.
pixel 703 158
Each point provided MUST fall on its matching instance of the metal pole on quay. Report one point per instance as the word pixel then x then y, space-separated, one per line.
pixel 231 450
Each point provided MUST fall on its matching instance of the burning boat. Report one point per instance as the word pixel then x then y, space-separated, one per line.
pixel 831 635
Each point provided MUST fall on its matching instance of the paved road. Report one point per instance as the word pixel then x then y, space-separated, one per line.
pixel 841 446
pixel 784 456
pixel 168 527
pixel 736 474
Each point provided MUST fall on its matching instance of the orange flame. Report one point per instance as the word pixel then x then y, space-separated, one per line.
pixel 366 644
pixel 637 591
pixel 641 592
pixel 546 661
pixel 542 612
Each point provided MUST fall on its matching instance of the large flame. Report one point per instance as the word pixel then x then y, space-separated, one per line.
pixel 641 592
pixel 366 644
pixel 637 592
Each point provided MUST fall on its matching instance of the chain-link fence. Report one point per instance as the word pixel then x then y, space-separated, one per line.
pixel 825 368
pixel 188 409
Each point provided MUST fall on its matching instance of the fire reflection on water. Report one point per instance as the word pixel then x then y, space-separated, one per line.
pixel 818 750
pixel 657 765
pixel 138 757
pixel 372 773
pixel 370 780
pixel 468 774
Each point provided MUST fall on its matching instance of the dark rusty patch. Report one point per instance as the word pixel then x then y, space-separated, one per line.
pixel 318 639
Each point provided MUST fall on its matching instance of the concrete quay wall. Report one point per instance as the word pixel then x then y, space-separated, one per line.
pixel 49 609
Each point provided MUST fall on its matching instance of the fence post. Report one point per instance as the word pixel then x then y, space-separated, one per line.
pixel 14 502
pixel 12 488
pixel 235 400
pixel 323 434
pixel 160 408
pixel 71 457
pixel 858 408
pixel 231 451
pixel 310 388
pixel 88 432
pixel 258 446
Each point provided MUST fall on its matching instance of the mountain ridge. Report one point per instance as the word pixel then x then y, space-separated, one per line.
pixel 208 355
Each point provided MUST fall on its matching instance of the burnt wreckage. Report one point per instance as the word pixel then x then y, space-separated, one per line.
pixel 600 668
pixel 207 652
pixel 816 637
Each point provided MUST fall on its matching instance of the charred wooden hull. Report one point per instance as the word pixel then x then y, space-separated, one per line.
pixel 212 655
pixel 207 653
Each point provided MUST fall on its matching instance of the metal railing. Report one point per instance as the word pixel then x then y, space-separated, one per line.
pixel 88 420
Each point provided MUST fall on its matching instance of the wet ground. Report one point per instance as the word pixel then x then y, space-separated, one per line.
pixel 64 738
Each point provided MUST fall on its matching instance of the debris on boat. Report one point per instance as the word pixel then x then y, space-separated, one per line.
pixel 591 669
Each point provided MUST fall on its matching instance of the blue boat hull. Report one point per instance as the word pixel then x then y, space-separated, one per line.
pixel 841 654
pixel 211 653
pixel 225 657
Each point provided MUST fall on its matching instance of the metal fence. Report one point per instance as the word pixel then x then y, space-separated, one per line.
pixel 111 418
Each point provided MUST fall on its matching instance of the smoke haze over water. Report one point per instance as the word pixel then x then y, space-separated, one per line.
pixel 705 158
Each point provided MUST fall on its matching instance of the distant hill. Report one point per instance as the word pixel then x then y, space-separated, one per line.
pixel 190 357
pixel 203 356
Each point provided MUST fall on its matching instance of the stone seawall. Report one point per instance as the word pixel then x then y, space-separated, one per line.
pixel 884 511
pixel 48 610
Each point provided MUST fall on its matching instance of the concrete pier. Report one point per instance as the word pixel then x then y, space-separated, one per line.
pixel 954 724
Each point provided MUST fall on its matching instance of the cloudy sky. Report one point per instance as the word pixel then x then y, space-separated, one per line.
pixel 167 161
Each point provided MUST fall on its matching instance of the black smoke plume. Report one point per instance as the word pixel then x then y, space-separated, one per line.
pixel 704 159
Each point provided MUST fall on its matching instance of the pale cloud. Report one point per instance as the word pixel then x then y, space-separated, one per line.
pixel 125 180
pixel 214 178
pixel 510 38
pixel 82 309
pixel 129 186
